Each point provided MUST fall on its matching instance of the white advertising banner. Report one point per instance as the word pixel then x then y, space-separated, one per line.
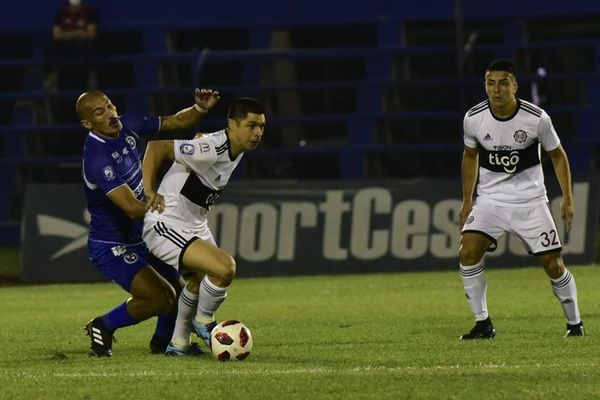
pixel 307 227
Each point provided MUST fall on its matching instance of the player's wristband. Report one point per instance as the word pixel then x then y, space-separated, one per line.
pixel 200 109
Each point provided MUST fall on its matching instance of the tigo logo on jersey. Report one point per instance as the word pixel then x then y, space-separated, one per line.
pixel 508 162
pixel 108 173
pixel 187 148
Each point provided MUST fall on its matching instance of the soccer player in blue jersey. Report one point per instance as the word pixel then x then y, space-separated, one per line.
pixel 112 178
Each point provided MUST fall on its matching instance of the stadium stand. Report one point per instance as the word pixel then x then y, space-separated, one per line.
pixel 360 94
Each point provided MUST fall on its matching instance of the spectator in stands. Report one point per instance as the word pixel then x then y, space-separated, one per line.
pixel 73 35
pixel 112 178
pixel 502 140
pixel 178 232
pixel 538 88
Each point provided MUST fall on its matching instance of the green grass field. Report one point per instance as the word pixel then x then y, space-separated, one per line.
pixel 391 336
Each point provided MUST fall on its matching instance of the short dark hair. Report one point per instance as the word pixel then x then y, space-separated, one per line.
pixel 502 65
pixel 240 108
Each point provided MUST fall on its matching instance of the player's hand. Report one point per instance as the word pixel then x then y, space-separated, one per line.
pixel 206 98
pixel 464 212
pixel 155 202
pixel 566 212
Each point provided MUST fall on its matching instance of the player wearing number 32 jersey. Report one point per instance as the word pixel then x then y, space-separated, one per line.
pixel 176 228
pixel 503 137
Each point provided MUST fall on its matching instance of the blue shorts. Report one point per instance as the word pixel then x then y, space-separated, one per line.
pixel 122 262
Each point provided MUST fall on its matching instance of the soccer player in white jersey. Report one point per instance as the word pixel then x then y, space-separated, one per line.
pixel 175 228
pixel 502 137
pixel 112 180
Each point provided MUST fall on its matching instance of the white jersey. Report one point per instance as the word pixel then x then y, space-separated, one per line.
pixel 201 169
pixel 510 170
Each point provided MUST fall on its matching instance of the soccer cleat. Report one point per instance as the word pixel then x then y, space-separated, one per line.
pixel 190 350
pixel 482 330
pixel 102 339
pixel 575 330
pixel 203 331
pixel 158 345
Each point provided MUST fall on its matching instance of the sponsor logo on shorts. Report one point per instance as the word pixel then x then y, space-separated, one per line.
pixel 470 219
pixel 130 257
pixel 187 148
pixel 118 250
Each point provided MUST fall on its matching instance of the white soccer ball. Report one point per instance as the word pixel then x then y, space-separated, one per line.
pixel 231 340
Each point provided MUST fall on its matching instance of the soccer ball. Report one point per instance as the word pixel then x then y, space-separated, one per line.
pixel 231 340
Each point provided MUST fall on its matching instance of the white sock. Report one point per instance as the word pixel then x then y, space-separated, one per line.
pixel 565 290
pixel 210 298
pixel 186 308
pixel 475 289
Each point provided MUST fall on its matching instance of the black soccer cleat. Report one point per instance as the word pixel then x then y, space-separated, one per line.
pixel 102 339
pixel 575 330
pixel 158 345
pixel 482 330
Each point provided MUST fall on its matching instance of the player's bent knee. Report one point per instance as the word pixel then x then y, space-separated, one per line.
pixel 224 274
pixel 553 265
pixel 163 300
pixel 228 270
pixel 469 255
pixel 170 296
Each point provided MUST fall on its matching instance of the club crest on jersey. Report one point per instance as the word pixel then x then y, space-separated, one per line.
pixel 130 257
pixel 187 148
pixel 520 136
pixel 108 173
pixel 131 141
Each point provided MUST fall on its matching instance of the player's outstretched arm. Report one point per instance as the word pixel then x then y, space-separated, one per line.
pixel 188 117
pixel 560 161
pixel 157 152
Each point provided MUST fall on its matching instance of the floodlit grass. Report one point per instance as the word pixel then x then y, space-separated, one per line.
pixel 385 336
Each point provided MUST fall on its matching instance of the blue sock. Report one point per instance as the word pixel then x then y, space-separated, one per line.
pixel 165 326
pixel 117 318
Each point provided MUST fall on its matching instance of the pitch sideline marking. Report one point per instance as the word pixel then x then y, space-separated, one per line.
pixel 292 371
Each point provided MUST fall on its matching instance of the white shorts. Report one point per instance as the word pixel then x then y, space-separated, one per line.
pixel 533 225
pixel 168 241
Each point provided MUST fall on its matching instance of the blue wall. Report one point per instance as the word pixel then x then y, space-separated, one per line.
pixel 235 12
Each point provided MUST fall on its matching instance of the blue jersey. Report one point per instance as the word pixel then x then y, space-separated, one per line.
pixel 108 164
